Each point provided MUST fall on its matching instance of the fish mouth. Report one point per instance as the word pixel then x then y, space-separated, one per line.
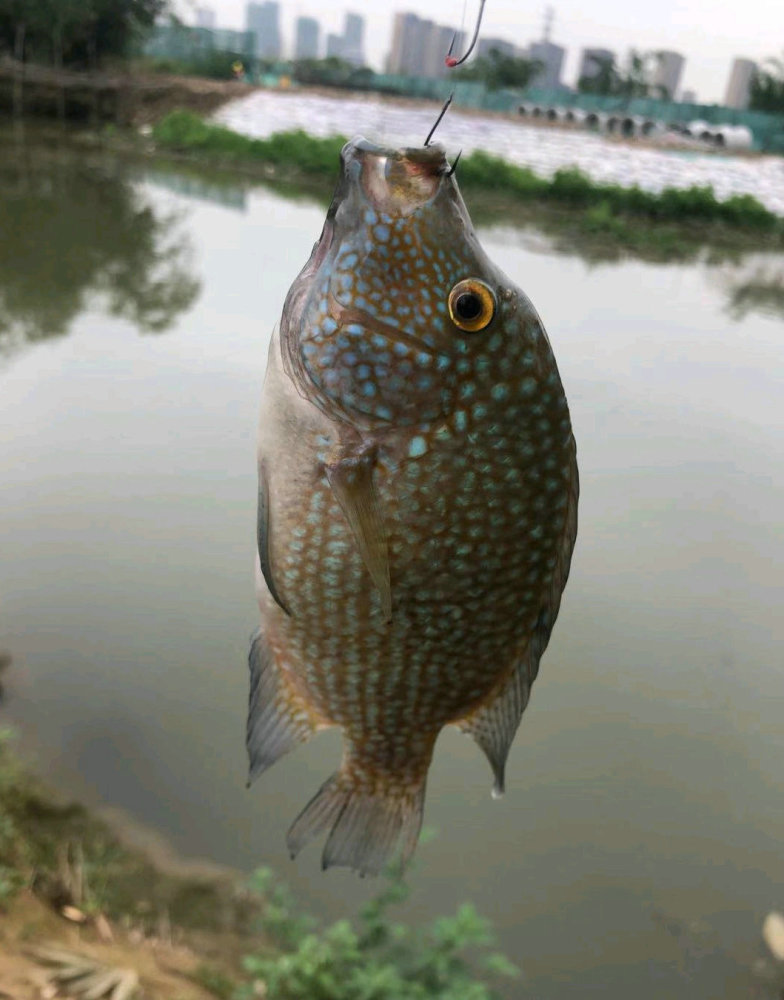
pixel 394 181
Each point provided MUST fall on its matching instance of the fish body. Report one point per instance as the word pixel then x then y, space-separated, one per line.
pixel 417 503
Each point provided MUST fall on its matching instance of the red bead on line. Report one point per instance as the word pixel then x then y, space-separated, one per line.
pixel 450 61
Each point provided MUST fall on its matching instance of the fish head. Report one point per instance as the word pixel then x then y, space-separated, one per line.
pixel 398 301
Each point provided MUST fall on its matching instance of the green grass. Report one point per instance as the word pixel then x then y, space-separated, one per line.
pixel 607 206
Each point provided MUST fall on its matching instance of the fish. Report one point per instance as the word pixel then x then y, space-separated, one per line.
pixel 417 505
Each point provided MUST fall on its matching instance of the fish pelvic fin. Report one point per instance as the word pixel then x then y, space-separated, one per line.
pixel 351 480
pixel 369 824
pixel 277 721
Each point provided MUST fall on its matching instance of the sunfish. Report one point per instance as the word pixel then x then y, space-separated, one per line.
pixel 417 503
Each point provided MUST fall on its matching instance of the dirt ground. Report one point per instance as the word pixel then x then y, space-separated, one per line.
pixel 164 966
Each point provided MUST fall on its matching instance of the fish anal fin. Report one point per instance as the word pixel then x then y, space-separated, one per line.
pixel 264 537
pixel 369 826
pixel 277 720
pixel 351 480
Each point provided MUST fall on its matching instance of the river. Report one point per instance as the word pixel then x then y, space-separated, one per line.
pixel 639 845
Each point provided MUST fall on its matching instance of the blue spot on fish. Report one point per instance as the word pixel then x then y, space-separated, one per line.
pixel 381 233
pixel 418 447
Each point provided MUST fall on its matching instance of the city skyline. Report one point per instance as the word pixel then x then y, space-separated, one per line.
pixel 708 45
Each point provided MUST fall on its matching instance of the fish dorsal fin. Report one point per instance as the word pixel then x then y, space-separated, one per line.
pixel 277 722
pixel 263 536
pixel 352 482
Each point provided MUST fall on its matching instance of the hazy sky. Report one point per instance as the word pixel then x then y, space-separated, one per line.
pixel 708 34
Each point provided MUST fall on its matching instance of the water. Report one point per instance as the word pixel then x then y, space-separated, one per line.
pixel 544 150
pixel 638 848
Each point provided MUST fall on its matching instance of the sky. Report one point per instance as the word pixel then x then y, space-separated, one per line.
pixel 709 35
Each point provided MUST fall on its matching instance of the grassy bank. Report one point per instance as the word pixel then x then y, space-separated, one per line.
pixel 66 879
pixel 630 216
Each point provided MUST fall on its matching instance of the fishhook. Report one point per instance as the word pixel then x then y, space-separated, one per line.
pixel 438 120
pixel 450 60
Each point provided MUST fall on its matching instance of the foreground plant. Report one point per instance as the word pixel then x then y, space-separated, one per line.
pixel 375 958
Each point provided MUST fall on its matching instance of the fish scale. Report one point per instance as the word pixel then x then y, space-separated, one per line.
pixel 418 501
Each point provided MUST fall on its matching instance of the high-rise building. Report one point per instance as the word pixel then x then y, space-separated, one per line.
pixel 354 39
pixel 591 61
pixel 205 17
pixel 551 56
pixel 419 47
pixel 405 55
pixel 667 77
pixel 334 46
pixel 263 19
pixel 306 38
pixel 739 83
pixel 486 45
pixel 437 45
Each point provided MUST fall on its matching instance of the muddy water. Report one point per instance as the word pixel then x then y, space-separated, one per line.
pixel 639 845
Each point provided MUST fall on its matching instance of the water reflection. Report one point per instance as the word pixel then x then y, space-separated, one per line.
pixel 73 235
pixel 752 282
pixel 756 287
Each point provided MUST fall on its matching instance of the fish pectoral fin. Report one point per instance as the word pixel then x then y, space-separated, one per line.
pixel 264 537
pixel 368 825
pixel 494 724
pixel 352 482
pixel 277 720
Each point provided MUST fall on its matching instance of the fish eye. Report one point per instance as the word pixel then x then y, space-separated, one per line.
pixel 471 305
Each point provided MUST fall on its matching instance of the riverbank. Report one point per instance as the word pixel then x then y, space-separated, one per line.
pixel 79 906
pixel 124 97
pixel 674 223
pixel 67 880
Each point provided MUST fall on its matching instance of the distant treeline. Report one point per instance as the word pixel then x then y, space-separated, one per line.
pixel 80 34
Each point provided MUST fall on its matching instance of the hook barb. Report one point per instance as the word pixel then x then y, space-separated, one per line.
pixel 453 168
pixel 450 60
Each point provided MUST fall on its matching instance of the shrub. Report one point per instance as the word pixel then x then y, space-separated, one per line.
pixel 378 959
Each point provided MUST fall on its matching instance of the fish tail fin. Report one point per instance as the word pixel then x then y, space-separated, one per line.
pixel 277 722
pixel 370 823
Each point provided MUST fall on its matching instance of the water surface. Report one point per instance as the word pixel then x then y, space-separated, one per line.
pixel 639 844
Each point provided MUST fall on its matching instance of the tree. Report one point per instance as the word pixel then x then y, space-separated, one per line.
pixel 635 80
pixel 767 87
pixel 74 32
pixel 497 70
pixel 605 80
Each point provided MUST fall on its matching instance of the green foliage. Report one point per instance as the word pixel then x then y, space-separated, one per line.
pixel 183 130
pixel 634 80
pixel 215 64
pixel 767 88
pixel 74 32
pixel 332 72
pixel 497 70
pixel 215 981
pixel 378 959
